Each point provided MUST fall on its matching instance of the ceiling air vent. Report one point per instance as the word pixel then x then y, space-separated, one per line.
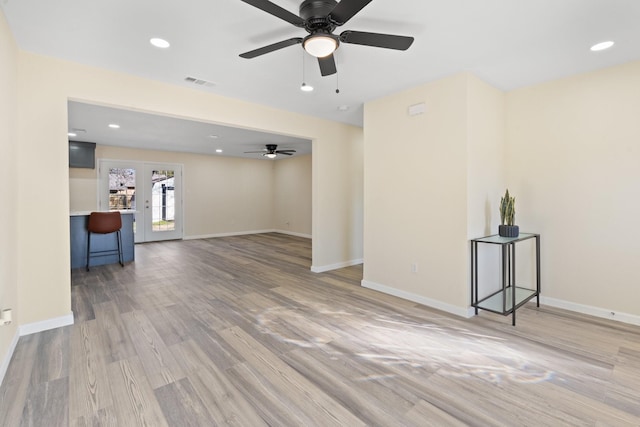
pixel 199 82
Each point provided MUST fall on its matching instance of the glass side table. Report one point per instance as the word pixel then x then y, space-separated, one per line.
pixel 510 297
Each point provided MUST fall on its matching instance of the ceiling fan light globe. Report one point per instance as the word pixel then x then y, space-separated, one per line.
pixel 320 45
pixel 270 155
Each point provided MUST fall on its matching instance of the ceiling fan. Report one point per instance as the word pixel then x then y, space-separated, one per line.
pixel 320 18
pixel 271 151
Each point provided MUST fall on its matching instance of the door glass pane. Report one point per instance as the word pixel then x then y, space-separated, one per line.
pixel 163 200
pixel 122 190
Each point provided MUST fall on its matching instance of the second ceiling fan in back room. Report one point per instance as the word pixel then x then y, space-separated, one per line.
pixel 320 18
pixel 271 151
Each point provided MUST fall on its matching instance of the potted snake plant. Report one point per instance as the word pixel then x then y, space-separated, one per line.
pixel 507 216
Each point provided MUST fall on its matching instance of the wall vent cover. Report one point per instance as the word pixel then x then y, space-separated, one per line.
pixel 199 82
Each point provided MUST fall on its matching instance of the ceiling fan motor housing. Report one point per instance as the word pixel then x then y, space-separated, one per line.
pixel 316 14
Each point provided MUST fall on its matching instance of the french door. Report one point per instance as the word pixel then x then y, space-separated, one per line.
pixel 152 191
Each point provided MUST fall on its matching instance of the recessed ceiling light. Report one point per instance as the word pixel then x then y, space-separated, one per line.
pixel 306 88
pixel 161 43
pixel 72 134
pixel 218 150
pixel 601 46
pixel 343 108
pixel 114 126
pixel 213 136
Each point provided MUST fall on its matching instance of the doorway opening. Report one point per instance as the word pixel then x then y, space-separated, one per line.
pixel 152 190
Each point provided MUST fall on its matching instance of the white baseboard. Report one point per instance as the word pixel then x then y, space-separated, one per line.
pixel 45 325
pixel 590 310
pixel 468 312
pixel 293 233
pixel 244 233
pixel 325 268
pixel 453 309
pixel 230 234
pixel 7 357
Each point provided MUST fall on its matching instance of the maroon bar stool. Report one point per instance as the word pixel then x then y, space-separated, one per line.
pixel 104 223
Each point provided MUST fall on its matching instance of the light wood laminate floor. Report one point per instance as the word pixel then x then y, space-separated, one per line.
pixel 238 331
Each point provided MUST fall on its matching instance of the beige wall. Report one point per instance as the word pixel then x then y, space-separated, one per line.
pixel 222 195
pixel 43 252
pixel 485 156
pixel 415 205
pixel 486 181
pixel 337 182
pixel 8 177
pixel 292 195
pixel 47 84
pixel 573 160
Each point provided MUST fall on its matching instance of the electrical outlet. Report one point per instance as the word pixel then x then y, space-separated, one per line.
pixel 414 267
pixel 5 317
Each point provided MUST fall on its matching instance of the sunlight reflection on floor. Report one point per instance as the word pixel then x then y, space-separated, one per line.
pixel 398 340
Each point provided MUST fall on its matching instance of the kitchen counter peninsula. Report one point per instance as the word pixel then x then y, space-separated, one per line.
pixel 99 242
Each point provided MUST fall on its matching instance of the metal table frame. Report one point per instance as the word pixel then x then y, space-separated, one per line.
pixel 510 296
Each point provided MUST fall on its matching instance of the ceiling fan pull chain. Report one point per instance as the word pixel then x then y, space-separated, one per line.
pixel 337 82
pixel 304 87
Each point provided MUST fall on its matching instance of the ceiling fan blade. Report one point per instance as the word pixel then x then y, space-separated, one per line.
pixel 255 152
pixel 346 9
pixel 271 48
pixel 327 65
pixel 276 11
pixel 387 41
pixel 285 153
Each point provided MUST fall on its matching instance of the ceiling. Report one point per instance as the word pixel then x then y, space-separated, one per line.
pixel 154 132
pixel 507 43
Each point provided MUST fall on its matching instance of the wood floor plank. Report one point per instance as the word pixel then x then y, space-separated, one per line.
pixel 574 409
pixel 225 402
pixel 123 301
pixel 83 308
pixel 624 390
pixel 114 335
pixel 182 406
pixel 55 344
pixel 284 321
pixel 276 408
pixel 314 402
pixel 134 400
pixel 159 363
pixel 172 323
pixel 423 411
pixel 105 417
pixel 47 404
pixel 207 313
pixel 218 351
pixel 16 384
pixel 451 395
pixel 336 379
pixel 89 388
